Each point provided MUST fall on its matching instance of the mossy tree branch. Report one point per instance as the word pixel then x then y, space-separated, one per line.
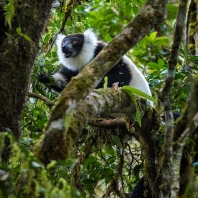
pixel 56 144
pixel 99 102
pixel 185 127
pixel 165 100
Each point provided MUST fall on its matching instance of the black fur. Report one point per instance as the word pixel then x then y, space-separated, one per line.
pixel 43 78
pixel 99 47
pixel 72 45
pixel 68 73
pixel 141 190
pixel 120 73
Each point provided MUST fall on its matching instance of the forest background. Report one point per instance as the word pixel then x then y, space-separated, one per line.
pixel 98 157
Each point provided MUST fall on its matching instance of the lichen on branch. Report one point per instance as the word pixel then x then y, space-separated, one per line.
pixel 56 141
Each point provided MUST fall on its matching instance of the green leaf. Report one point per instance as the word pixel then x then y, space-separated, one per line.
pixel 153 36
pixel 129 90
pixel 51 164
pixel 9 35
pixel 90 160
pixel 133 90
pixel 137 170
pixel 110 160
pixel 105 82
pixel 110 151
pixel 188 187
pixel 193 58
pixel 9 12
pixel 160 62
pixel 161 41
pixel 18 30
pixel 26 37
pixel 68 120
pixel 137 113
pixel 12 196
pixel 89 181
pixel 26 141
pixel 116 139
pixel 107 173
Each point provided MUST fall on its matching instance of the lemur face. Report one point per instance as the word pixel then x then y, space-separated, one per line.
pixel 72 45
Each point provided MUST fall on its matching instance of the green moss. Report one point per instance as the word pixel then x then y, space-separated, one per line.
pixel 52 145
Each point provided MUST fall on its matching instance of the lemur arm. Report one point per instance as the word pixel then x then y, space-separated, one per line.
pixel 59 80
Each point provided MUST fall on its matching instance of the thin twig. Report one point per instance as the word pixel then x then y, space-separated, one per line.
pixel 41 97
pixel 108 123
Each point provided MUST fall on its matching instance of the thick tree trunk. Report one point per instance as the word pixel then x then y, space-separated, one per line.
pixel 16 59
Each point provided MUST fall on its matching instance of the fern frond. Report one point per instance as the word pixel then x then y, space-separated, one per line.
pixel 9 12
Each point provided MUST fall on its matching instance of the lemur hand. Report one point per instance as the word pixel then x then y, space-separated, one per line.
pixel 43 78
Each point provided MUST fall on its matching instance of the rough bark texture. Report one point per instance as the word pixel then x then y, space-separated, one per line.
pixel 184 122
pixel 16 59
pixel 56 144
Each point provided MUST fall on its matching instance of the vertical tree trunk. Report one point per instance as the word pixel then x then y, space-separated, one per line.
pixel 16 59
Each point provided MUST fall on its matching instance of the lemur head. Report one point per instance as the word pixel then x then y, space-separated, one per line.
pixel 76 50
pixel 72 45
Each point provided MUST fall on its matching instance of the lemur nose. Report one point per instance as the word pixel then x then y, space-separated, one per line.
pixel 66 47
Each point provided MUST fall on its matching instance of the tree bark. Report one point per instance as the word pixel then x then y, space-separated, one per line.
pixel 17 56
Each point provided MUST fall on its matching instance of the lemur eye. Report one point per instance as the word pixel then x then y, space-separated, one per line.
pixel 74 41
pixel 63 42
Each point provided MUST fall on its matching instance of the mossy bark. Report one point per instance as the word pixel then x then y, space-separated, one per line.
pixel 17 56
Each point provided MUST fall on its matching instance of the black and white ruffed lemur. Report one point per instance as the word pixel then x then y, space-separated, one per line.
pixel 77 50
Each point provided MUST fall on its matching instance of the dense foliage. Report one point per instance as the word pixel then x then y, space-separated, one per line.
pixel 101 160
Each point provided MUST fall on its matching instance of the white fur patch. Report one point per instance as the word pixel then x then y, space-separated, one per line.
pixel 59 40
pixel 84 57
pixel 60 81
pixel 138 80
pixel 58 76
pixel 72 106
pixel 57 124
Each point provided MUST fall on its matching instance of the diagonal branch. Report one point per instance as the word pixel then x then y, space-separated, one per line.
pixel 41 97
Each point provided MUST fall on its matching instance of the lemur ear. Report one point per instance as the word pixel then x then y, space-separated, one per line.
pixel 90 37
